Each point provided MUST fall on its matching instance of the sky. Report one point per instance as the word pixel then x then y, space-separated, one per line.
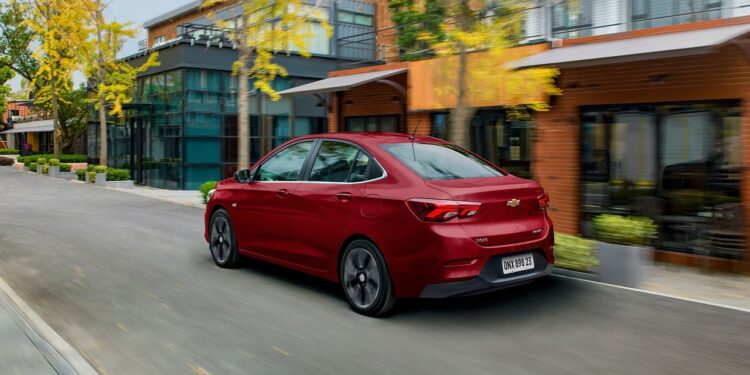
pixel 135 11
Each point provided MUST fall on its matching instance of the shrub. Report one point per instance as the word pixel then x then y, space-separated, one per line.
pixel 100 169
pixel 41 160
pixel 574 253
pixel 32 167
pixel 205 188
pixel 45 169
pixel 64 167
pixel 631 230
pixel 114 174
pixel 6 161
pixel 81 174
pixel 92 177
pixel 9 151
pixel 54 162
pixel 64 158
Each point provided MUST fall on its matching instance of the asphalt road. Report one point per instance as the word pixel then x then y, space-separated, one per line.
pixel 129 282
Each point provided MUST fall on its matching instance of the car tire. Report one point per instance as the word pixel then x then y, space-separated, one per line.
pixel 221 240
pixel 365 279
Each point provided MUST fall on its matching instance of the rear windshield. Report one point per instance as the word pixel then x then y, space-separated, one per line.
pixel 434 161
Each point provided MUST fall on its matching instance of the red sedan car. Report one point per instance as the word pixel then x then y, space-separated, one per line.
pixel 387 216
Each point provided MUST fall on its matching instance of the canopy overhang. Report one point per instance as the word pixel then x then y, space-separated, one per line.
pixel 675 44
pixel 341 83
pixel 39 126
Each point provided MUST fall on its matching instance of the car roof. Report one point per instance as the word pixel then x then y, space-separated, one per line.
pixel 372 138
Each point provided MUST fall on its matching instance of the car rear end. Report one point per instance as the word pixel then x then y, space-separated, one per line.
pixel 484 228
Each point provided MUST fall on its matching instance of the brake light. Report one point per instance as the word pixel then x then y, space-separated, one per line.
pixel 440 210
pixel 543 201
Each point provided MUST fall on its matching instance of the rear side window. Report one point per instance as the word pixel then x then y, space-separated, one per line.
pixel 434 161
pixel 333 162
pixel 286 164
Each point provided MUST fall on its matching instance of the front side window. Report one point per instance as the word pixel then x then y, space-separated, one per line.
pixel 434 161
pixel 285 165
pixel 333 162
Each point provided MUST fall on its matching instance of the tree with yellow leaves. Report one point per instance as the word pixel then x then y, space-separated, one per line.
pixel 111 79
pixel 264 28
pixel 491 28
pixel 57 25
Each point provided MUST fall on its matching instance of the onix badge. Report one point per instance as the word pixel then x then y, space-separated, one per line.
pixel 513 202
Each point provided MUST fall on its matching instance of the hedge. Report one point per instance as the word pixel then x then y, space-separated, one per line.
pixel 64 158
pixel 9 151
pixel 114 174
pixel 81 174
pixel 64 167
pixel 32 167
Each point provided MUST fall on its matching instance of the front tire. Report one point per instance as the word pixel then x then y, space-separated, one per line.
pixel 222 241
pixel 366 280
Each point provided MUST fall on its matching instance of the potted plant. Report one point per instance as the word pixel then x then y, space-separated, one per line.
pixel 53 170
pixel 32 167
pixel 575 254
pixel 624 251
pixel 65 172
pixel 40 165
pixel 119 178
pixel 101 175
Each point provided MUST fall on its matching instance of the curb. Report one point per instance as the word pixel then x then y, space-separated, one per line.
pixel 575 274
pixel 63 358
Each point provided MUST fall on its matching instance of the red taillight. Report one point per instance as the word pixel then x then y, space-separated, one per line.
pixel 440 210
pixel 543 201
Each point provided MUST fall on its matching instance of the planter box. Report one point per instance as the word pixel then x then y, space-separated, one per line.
pixel 39 169
pixel 101 179
pixel 86 177
pixel 128 184
pixel 76 166
pixel 623 265
pixel 67 176
pixel 21 167
pixel 53 171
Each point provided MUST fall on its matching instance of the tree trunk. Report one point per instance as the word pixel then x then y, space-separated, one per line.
pixel 459 124
pixel 100 96
pixel 55 122
pixel 243 108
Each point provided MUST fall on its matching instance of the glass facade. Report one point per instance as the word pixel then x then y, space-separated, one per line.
pixel 182 131
pixel 654 13
pixel 678 164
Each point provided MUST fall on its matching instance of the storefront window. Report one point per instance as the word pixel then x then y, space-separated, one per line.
pixel 677 164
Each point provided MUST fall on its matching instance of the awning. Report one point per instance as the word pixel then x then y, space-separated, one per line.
pixel 683 43
pixel 39 126
pixel 341 83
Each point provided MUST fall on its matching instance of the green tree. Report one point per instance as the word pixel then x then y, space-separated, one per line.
pixel 58 26
pixel 73 116
pixel 111 79
pixel 6 74
pixel 15 39
pixel 418 22
pixel 264 28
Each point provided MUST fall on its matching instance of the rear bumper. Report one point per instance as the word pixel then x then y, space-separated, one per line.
pixel 489 279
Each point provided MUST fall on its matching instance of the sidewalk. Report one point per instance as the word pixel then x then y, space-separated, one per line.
pixel 185 197
pixel 714 287
pixel 18 353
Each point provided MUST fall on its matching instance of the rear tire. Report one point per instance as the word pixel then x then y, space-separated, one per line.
pixel 222 241
pixel 366 280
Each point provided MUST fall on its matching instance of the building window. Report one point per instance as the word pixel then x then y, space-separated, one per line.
pixel 654 13
pixel 159 40
pixel 440 125
pixel 572 19
pixel 354 18
pixel 372 124
pixel 678 164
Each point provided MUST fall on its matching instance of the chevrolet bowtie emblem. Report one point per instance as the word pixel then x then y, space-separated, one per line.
pixel 513 202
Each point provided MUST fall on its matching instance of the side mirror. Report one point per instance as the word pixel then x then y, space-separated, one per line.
pixel 243 176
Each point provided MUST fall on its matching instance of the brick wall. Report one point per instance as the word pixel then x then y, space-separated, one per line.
pixel 721 75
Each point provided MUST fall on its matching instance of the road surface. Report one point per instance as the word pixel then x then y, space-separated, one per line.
pixel 129 282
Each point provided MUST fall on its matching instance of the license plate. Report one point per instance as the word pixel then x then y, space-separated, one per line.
pixel 517 263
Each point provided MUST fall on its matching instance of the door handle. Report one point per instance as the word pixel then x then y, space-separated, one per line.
pixel 344 197
pixel 282 192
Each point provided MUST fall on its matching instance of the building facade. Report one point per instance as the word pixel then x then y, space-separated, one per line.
pixel 653 119
pixel 26 128
pixel 181 129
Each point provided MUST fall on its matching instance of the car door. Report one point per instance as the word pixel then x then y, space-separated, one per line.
pixel 325 202
pixel 264 207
